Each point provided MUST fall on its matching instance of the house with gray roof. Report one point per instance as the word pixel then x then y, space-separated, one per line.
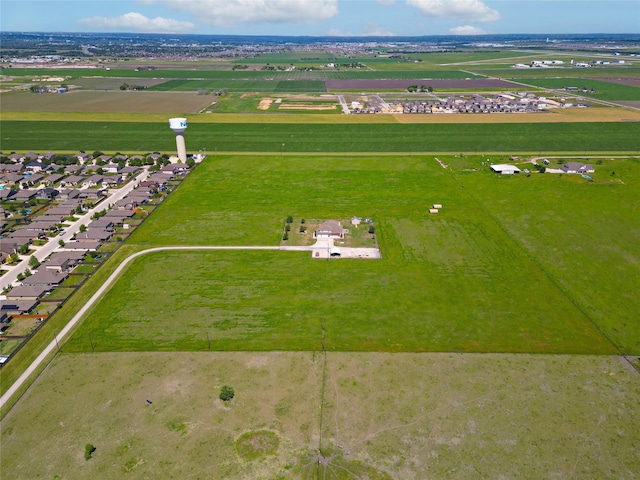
pixel 28 292
pixel 329 229
pixel 577 167
pixel 45 277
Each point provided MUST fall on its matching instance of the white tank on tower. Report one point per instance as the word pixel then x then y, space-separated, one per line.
pixel 179 125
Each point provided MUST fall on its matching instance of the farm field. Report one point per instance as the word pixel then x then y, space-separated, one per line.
pixel 409 416
pixel 604 90
pixel 113 101
pixel 324 137
pixel 266 86
pixel 478 248
pixel 487 342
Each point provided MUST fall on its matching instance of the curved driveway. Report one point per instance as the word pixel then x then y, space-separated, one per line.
pixel 321 249
pixel 103 288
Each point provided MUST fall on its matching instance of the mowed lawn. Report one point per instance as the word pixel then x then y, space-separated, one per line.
pixel 320 137
pixel 456 281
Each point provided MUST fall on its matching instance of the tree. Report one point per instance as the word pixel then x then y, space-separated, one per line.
pixel 23 249
pixel 226 393
pixel 372 229
pixel 289 219
pixel 61 242
pixel 83 228
pixel 88 451
pixel 34 262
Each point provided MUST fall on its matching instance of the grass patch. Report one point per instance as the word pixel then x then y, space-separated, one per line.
pixel 473 252
pixel 385 416
pixel 257 444
pixel 604 90
pixel 339 138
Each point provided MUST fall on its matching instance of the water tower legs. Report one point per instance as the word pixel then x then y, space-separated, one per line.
pixel 182 149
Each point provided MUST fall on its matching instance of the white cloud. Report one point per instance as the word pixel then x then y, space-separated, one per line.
pixel 466 10
pixel 229 12
pixel 136 22
pixel 467 30
pixel 374 30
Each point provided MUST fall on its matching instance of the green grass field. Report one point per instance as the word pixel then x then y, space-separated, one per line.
pixel 528 294
pixel 269 137
pixel 604 90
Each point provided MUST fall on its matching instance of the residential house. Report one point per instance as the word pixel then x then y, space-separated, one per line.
pixel 83 158
pixel 82 246
pixel 47 193
pixel 7 194
pixel 34 167
pixel 73 180
pixel 104 223
pixel 33 179
pixel 61 261
pixel 92 181
pixel 28 292
pixel 329 229
pixel 24 195
pixel 577 167
pixel 94 234
pixel 52 179
pixel 45 277
pixel 17 307
pixel 111 168
pixel 69 194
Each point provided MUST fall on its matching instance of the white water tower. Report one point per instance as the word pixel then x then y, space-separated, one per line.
pixel 179 125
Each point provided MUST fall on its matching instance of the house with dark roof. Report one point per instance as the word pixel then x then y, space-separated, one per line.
pixel 17 307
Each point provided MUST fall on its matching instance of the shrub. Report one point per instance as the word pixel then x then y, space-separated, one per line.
pixel 372 229
pixel 226 393
pixel 285 236
pixel 289 219
pixel 88 451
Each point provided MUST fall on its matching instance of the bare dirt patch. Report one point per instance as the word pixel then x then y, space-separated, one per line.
pixel 265 103
pixel 305 106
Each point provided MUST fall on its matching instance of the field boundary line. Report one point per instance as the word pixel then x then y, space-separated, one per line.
pixel 551 278
pixel 58 339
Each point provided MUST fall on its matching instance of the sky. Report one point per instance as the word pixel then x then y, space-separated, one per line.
pixel 322 17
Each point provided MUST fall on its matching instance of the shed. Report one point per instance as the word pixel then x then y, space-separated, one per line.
pixel 505 169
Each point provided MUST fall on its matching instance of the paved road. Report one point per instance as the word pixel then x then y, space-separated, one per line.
pixel 322 248
pixel 43 252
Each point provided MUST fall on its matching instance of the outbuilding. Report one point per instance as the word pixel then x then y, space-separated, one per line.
pixel 505 169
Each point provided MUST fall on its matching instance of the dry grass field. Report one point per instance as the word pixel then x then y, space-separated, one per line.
pixel 604 114
pixel 26 112
pixel 109 102
pixel 357 415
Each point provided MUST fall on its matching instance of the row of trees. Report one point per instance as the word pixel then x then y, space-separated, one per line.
pixel 420 89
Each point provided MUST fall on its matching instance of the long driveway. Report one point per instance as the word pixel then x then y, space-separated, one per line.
pixel 43 252
pixel 321 249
